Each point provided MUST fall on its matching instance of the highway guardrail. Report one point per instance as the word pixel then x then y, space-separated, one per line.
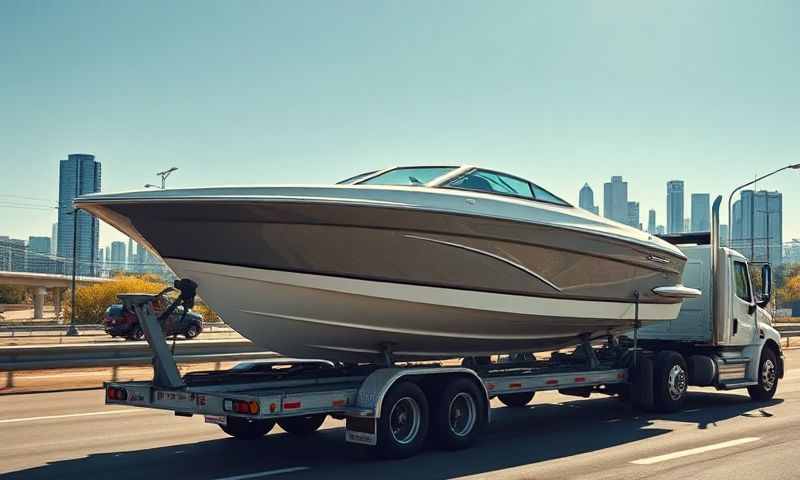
pixel 90 329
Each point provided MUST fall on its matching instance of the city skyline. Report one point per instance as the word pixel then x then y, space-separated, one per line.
pixel 559 94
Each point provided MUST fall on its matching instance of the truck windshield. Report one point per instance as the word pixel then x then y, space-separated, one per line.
pixel 409 176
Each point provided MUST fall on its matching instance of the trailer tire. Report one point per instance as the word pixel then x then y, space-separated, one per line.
pixel 767 377
pixel 520 399
pixel 459 414
pixel 247 429
pixel 403 424
pixel 304 425
pixel 670 381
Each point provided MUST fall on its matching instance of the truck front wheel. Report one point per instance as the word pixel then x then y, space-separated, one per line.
pixel 247 429
pixel 767 377
pixel 670 381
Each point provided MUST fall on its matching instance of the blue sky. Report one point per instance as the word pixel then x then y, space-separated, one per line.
pixel 560 92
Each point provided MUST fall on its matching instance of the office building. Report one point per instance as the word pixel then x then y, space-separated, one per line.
pixel 701 212
pixel 37 256
pixel 12 254
pixel 651 221
pixel 723 235
pixel 660 230
pixel 586 199
pixel 79 174
pixel 117 256
pixel 633 215
pixel 675 206
pixel 54 240
pixel 615 200
pixel 758 226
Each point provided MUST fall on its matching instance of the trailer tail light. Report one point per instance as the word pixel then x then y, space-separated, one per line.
pixel 580 379
pixel 552 381
pixel 116 393
pixel 291 405
pixel 241 406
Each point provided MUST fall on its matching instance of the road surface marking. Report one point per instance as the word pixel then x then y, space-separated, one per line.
pixel 70 415
pixel 694 451
pixel 265 474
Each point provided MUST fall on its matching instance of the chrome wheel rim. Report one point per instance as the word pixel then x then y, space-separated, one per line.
pixel 404 420
pixel 768 375
pixel 677 382
pixel 462 414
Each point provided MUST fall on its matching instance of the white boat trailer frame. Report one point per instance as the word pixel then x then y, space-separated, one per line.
pixel 358 398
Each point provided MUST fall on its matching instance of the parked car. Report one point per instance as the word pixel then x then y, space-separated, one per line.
pixel 121 322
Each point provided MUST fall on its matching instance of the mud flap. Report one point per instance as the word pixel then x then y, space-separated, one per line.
pixel 642 384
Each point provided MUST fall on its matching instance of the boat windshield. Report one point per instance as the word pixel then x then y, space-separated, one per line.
pixel 408 176
pixel 503 184
pixel 355 178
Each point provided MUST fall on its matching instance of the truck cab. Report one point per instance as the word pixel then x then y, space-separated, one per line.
pixel 725 334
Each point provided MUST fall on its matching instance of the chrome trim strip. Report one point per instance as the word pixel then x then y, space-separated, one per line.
pixel 677 291
pixel 488 254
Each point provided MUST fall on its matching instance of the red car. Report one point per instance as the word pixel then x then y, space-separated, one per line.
pixel 120 322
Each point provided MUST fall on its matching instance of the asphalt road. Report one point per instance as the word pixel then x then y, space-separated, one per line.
pixel 718 436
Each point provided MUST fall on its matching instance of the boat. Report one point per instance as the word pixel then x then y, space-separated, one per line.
pixel 425 262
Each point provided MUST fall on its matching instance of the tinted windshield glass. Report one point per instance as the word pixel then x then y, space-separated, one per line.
pixel 495 182
pixel 356 178
pixel 417 176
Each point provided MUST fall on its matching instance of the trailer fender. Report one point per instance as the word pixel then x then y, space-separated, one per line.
pixel 377 384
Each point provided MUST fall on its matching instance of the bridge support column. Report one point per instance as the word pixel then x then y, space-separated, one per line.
pixel 38 302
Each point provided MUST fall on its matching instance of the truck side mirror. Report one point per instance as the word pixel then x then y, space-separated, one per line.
pixel 766 285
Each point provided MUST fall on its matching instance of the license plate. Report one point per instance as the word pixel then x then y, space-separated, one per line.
pixel 217 419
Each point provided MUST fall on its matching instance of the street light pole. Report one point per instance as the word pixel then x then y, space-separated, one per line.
pixel 795 166
pixel 72 330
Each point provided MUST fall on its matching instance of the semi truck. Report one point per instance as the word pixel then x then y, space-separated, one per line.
pixel 722 339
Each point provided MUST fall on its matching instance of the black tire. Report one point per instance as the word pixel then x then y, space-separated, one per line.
pixel 670 381
pixel 247 429
pixel 304 425
pixel 767 377
pixel 459 414
pixel 403 424
pixel 520 399
pixel 191 332
pixel 137 333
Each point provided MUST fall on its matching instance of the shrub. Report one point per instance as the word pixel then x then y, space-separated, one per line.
pixel 92 301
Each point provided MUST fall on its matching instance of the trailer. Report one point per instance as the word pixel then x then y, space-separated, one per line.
pixel 722 339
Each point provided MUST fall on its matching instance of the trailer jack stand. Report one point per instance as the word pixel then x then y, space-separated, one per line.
pixel 637 324
pixel 165 371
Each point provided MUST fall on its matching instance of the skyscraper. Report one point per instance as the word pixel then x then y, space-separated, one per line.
pixel 633 215
pixel 12 254
pixel 615 200
pixel 723 235
pixel 586 199
pixel 758 226
pixel 37 256
pixel 54 240
pixel 78 175
pixel 651 221
pixel 675 206
pixel 117 259
pixel 701 212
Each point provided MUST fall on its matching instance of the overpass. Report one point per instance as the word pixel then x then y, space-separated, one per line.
pixel 41 282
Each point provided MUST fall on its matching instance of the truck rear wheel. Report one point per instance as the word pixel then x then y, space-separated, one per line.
pixel 767 377
pixel 670 381
pixel 459 414
pixel 247 429
pixel 516 399
pixel 403 424
pixel 302 425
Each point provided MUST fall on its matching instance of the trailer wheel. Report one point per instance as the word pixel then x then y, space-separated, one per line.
pixel 304 425
pixel 670 381
pixel 520 399
pixel 459 415
pixel 247 429
pixel 767 377
pixel 403 424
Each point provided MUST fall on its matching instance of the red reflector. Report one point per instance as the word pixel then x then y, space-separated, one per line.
pixel 580 379
pixel 514 385
pixel 272 407
pixel 620 376
pixel 490 386
pixel 552 381
pixel 291 405
pixel 337 403
pixel 254 407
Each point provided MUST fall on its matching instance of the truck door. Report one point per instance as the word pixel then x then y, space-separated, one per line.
pixel 743 308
